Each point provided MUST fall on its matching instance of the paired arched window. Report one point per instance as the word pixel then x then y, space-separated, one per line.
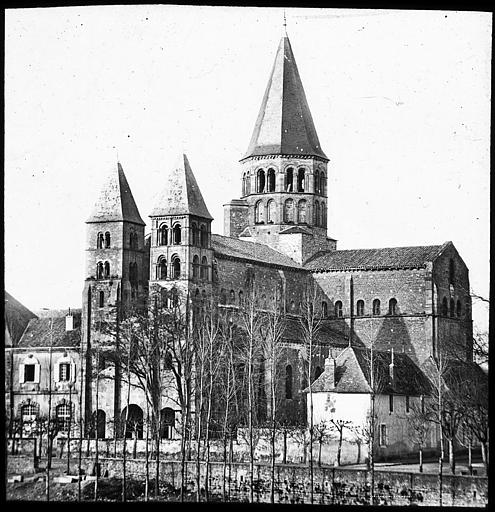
pixel 176 235
pixel 271 180
pixel 161 269
pixel 289 179
pixel 163 235
pixel 338 308
pixel 100 241
pixel 204 268
pixel 176 267
pixel 459 308
pixel 360 308
pixel 196 266
pixel 301 211
pixel 289 211
pixel 107 269
pixel 101 299
pixel 288 381
pixel 203 236
pixel 317 214
pixel 99 270
pixel 452 308
pixel 445 307
pixel 107 240
pixel 317 182
pixel 392 307
pixel 260 181
pixel 270 212
pixel 376 307
pixel 324 309
pixel 301 178
pixel 258 212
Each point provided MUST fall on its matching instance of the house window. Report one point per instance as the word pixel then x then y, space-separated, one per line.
pixel 62 414
pixel 176 235
pixel 383 435
pixel 452 308
pixel 28 411
pixel 390 403
pixel 301 212
pixel 260 181
pixel 407 403
pixel 289 211
pixel 392 307
pixel 289 178
pixel 300 180
pixel 288 381
pixel 360 308
pixel 271 180
pixel 101 299
pixel 445 307
pixel 29 372
pixel 258 212
pixel 459 308
pixel 338 309
pixel 270 212
pixel 324 309
pixel 376 307
pixel 163 236
pixel 64 372
pixel 100 241
pixel 107 239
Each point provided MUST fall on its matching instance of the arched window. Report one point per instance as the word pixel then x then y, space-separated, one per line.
pixel 323 215
pixel 301 211
pixel 260 181
pixel 459 308
pixel 99 241
pixel 29 411
pixel 324 309
pixel 451 271
pixel 98 420
pixel 99 270
pixel 134 426
pixel 101 299
pixel 288 381
pixel 163 235
pixel 271 180
pixel 360 308
pixel 322 184
pixel 318 372
pixel 452 308
pixel 203 236
pixel 392 307
pixel 317 182
pixel 289 211
pixel 248 184
pixel 107 269
pixel 204 268
pixel 301 176
pixel 270 212
pixel 167 423
pixel 241 298
pixel 161 269
pixel 289 179
pixel 338 309
pixel 176 267
pixel 445 307
pixel 194 230
pixel 63 416
pixel 317 213
pixel 292 306
pixel 258 212
pixel 176 235
pixel 232 297
pixel 107 239
pixel 376 307
pixel 244 184
pixel 196 266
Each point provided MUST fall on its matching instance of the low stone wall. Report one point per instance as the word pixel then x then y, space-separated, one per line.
pixel 330 485
pixel 21 464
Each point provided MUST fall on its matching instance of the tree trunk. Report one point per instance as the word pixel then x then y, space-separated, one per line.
pixel 284 458
pixel 451 456
pixel 319 452
pixel 484 455
pixel 358 453
pixel 339 448
pixel 420 459
pixel 470 457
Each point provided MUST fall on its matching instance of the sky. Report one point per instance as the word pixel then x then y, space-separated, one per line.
pixel 400 100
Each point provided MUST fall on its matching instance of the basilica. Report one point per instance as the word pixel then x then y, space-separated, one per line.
pixel 408 302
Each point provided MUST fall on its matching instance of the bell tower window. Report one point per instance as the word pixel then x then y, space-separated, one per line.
pixel 322 184
pixel 317 182
pixel 196 266
pixel 176 235
pixel 101 300
pixel 260 181
pixel 301 176
pixel 301 212
pixel 289 211
pixel 163 235
pixel 270 212
pixel 194 230
pixel 289 179
pixel 317 213
pixel 107 240
pixel 100 241
pixel 258 212
pixel 204 268
pixel 107 269
pixel 203 236
pixel 176 267
pixel 99 270
pixel 161 270
pixel 271 180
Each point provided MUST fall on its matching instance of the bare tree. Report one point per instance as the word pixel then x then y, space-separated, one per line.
pixel 419 426
pixel 340 426
pixel 322 435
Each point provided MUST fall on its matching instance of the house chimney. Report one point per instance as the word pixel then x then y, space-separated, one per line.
pixel 69 322
pixel 330 371
pixel 391 367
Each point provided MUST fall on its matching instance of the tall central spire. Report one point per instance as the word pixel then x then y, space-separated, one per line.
pixel 284 125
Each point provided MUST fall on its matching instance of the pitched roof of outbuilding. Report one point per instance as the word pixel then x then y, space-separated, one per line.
pixel 116 203
pixel 284 125
pixel 17 317
pixel 181 194
pixel 250 251
pixel 41 333
pixel 369 259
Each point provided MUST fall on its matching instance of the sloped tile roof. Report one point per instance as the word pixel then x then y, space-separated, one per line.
pixel 40 333
pixel 16 318
pixel 116 202
pixel 181 194
pixel 295 229
pixel 391 257
pixel 250 251
pixel 284 125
